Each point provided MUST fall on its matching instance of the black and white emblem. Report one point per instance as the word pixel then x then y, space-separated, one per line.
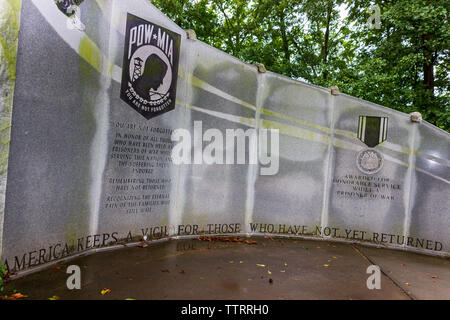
pixel 150 67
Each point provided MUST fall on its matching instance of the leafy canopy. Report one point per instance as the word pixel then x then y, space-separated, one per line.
pixel 403 65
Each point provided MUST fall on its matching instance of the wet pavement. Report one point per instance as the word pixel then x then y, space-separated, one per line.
pixel 268 269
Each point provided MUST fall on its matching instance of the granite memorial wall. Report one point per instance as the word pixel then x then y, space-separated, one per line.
pixel 93 95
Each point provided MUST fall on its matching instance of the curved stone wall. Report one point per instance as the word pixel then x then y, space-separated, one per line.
pixel 88 170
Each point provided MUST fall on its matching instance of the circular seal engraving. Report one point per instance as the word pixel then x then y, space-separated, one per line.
pixel 369 161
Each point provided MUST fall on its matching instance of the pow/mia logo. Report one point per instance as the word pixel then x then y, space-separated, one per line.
pixel 372 131
pixel 150 67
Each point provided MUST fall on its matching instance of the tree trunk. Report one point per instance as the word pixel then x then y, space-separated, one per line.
pixel 287 53
pixel 326 40
pixel 428 66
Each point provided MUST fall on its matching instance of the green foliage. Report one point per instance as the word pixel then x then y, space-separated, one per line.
pixel 3 273
pixel 404 65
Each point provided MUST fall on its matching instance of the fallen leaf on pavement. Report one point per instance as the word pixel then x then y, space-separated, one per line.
pixel 407 283
pixel 434 277
pixel 326 265
pixel 18 296
pixel 54 298
pixel 105 291
pixel 269 272
pixel 165 270
pixel 260 265
pixel 182 271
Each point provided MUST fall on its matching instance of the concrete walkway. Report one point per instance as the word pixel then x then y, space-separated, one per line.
pixel 269 269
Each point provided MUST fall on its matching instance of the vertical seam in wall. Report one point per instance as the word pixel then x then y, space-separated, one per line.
pixel 175 213
pixel 412 163
pixel 253 169
pixel 326 192
pixel 99 147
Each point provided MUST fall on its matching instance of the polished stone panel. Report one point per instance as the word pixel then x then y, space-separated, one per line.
pixel 430 196
pixel 222 95
pixel 361 201
pixel 295 194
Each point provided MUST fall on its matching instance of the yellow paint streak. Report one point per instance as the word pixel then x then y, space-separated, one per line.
pixel 347 134
pixel 9 33
pixel 89 51
pixel 408 151
pixel 296 132
pixel 101 4
pixel 205 86
pixel 346 145
pixel 309 124
pixel 309 135
pixel 247 121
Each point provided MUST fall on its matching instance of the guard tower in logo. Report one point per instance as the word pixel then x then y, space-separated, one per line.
pixel 372 131
pixel 150 67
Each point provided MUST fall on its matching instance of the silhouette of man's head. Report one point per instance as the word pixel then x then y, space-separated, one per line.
pixel 151 79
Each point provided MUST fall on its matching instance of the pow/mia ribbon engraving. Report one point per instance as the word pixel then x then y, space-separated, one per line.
pixel 372 130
